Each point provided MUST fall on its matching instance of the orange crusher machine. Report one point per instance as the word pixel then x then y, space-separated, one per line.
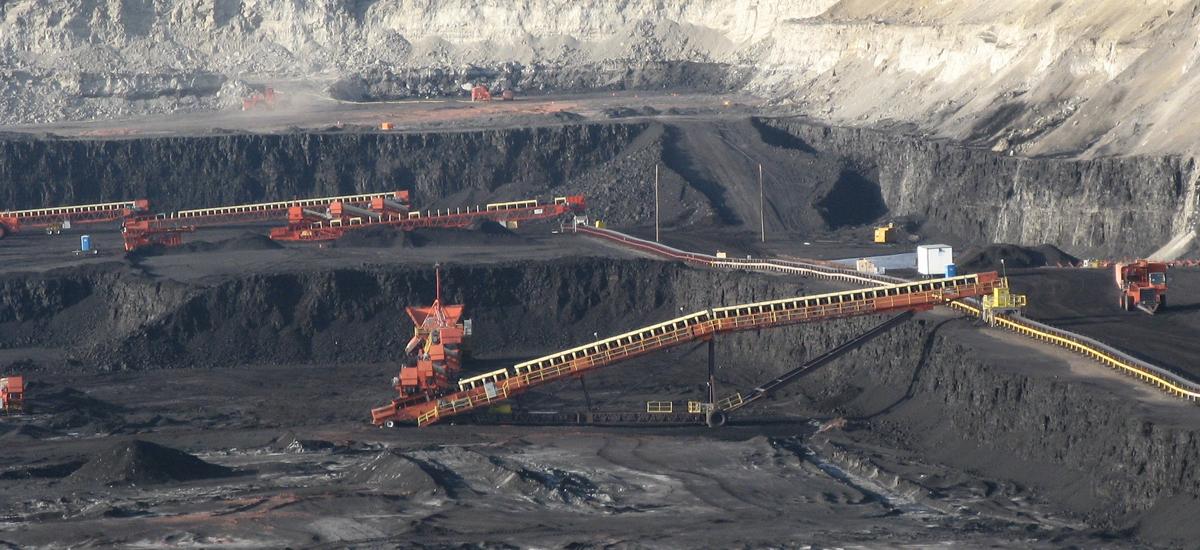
pixel 12 395
pixel 433 357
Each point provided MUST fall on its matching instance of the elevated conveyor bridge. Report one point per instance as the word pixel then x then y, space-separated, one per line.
pixel 12 221
pixel 502 384
pixel 1172 382
pixel 166 229
pixel 307 226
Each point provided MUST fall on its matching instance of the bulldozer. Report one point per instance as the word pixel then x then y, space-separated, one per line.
pixel 1143 285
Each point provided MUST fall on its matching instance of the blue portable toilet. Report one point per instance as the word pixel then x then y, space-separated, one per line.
pixel 951 270
pixel 85 243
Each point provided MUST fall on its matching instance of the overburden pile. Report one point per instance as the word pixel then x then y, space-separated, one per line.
pixel 1014 256
pixel 482 233
pixel 246 241
pixel 138 462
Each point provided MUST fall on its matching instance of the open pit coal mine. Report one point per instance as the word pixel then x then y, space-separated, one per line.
pixel 219 393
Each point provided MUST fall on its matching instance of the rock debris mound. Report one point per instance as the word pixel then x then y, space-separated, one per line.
pixel 1015 257
pixel 380 236
pixel 397 473
pixel 486 232
pixel 245 241
pixel 138 462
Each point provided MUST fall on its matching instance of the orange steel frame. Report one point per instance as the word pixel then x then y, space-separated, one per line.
pixel 323 231
pixel 167 229
pixel 14 220
pixel 700 326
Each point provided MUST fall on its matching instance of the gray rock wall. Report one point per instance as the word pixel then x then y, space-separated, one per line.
pixel 1124 206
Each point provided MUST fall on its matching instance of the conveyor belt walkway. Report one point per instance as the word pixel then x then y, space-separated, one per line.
pixel 12 221
pixel 504 383
pixel 139 231
pixel 311 229
pixel 1174 383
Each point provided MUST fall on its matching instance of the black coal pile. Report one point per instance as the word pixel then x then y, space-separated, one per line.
pixel 379 236
pixel 1015 257
pixel 488 232
pixel 79 412
pixel 245 241
pixel 623 112
pixel 483 233
pixel 138 462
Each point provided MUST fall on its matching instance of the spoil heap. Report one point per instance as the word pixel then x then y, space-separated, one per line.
pixel 138 462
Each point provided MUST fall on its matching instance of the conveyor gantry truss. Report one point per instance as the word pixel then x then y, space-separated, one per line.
pixel 488 388
pixel 166 229
pixel 12 221
pixel 314 219
pixel 308 225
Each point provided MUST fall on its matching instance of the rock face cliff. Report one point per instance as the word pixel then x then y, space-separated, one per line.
pixel 1071 77
pixel 112 317
pixel 1116 462
pixel 1106 206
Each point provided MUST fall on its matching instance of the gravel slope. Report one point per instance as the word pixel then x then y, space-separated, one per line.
pixel 1091 77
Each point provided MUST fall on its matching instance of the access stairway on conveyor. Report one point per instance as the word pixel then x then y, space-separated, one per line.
pixel 502 384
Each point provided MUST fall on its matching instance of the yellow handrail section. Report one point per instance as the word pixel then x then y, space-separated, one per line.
pixel 892 294
pixel 279 205
pixel 1171 383
pixel 660 407
pixel 529 203
pixel 500 384
pixel 1104 357
pixel 58 210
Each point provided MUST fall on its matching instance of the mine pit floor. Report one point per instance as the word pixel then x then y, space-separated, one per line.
pixel 312 472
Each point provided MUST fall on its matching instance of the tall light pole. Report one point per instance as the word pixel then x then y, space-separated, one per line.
pixel 656 202
pixel 762 214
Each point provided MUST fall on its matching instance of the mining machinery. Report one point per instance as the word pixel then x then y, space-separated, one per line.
pixel 306 224
pixel 433 357
pixel 167 229
pixel 264 99
pixel 12 394
pixel 1143 285
pixel 480 92
pixel 57 218
pixel 311 219
pixel 424 405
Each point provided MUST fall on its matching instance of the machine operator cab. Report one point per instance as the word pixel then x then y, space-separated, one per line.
pixel 1158 278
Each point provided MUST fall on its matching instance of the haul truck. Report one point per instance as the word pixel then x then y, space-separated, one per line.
pixel 1143 285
